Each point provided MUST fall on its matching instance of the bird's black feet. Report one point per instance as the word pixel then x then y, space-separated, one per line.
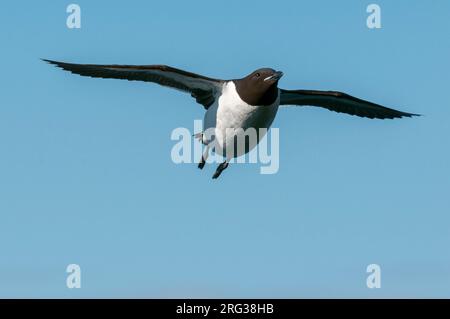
pixel 220 169
pixel 199 137
pixel 202 163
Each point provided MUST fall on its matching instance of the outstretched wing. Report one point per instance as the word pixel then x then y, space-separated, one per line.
pixel 202 88
pixel 340 102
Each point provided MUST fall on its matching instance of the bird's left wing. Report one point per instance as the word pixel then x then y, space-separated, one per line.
pixel 202 88
pixel 339 102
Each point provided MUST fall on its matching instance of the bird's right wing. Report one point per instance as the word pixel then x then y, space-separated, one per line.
pixel 340 102
pixel 203 89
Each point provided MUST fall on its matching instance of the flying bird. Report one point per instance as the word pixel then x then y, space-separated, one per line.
pixel 235 105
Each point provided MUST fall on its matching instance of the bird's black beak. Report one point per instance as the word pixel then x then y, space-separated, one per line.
pixel 274 77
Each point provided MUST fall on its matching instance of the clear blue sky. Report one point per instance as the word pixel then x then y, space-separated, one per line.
pixel 86 175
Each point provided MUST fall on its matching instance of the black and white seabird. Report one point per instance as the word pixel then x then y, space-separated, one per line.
pixel 238 104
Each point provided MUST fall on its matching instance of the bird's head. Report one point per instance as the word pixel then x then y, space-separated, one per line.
pixel 259 87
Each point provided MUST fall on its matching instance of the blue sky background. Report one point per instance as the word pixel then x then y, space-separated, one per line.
pixel 86 175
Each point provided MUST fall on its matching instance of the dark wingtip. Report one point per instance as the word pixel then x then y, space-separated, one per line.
pixel 402 115
pixel 56 63
pixel 411 115
pixel 393 117
pixel 52 61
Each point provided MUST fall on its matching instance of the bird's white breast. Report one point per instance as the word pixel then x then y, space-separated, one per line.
pixel 230 113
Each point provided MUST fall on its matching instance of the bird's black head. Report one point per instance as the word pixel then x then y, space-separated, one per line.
pixel 259 87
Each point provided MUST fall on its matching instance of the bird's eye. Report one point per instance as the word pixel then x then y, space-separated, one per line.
pixel 258 75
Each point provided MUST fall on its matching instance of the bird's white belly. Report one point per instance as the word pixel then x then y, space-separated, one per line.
pixel 231 119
